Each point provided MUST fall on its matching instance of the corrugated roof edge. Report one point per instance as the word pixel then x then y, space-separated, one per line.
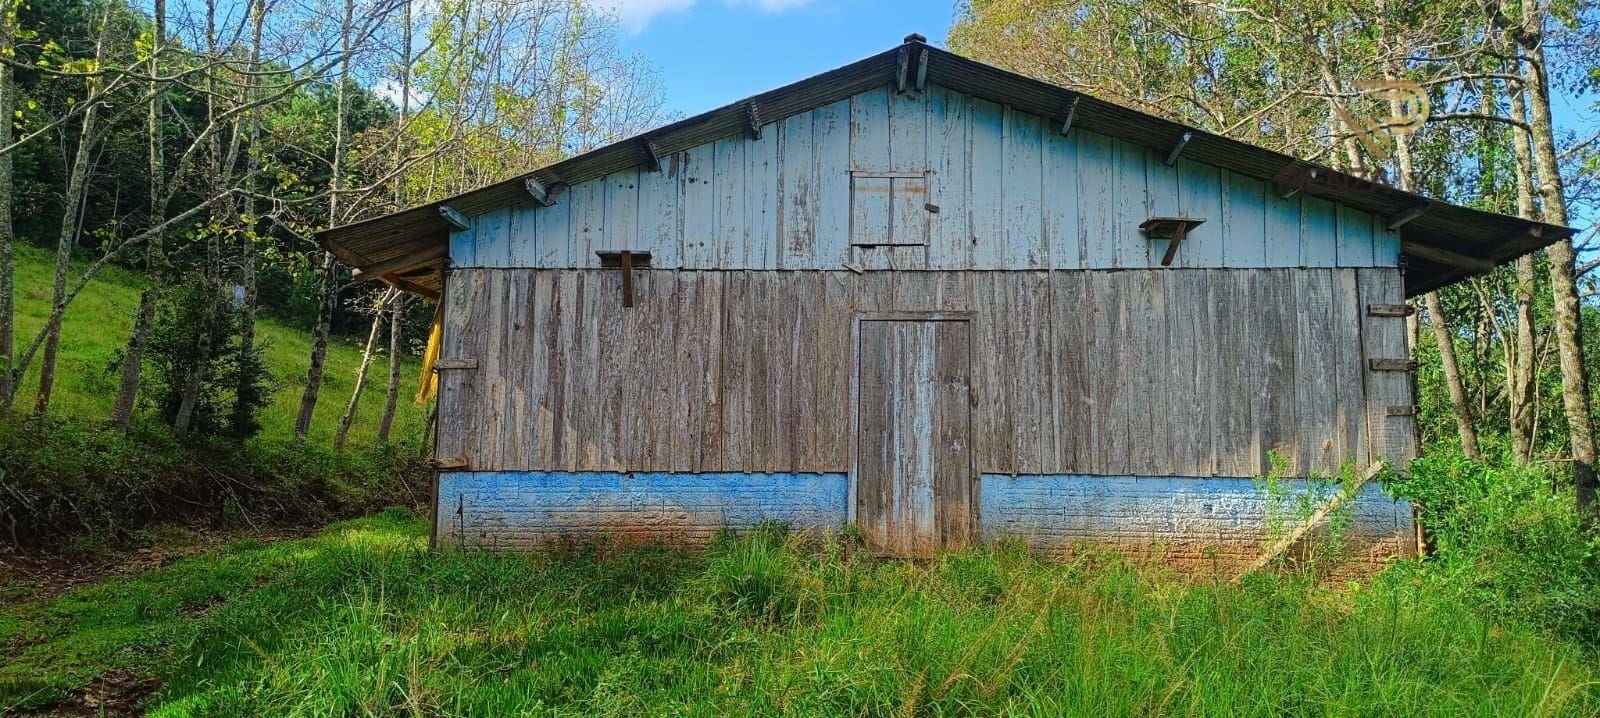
pixel 1443 232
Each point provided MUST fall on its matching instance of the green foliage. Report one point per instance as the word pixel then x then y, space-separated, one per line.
pixel 1507 541
pixel 64 481
pixel 232 377
pixel 361 620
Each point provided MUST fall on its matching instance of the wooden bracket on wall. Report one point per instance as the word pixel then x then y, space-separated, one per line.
pixel 626 260
pixel 449 463
pixel 455 363
pixel 538 191
pixel 1177 149
pixel 1066 120
pixel 1400 411
pixel 457 221
pixel 1173 229
pixel 1384 364
pixel 1390 310
pixel 752 120
pixel 652 155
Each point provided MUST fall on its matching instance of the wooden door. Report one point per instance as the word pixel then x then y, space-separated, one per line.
pixel 914 482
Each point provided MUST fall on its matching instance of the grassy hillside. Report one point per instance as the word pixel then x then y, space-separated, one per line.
pixel 96 328
pixel 360 621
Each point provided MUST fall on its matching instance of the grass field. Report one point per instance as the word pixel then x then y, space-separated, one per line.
pixel 96 327
pixel 360 620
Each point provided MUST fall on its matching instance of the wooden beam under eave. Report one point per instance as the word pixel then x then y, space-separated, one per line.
pixel 457 221
pixel 412 287
pixel 1446 257
pixel 403 263
pixel 1404 216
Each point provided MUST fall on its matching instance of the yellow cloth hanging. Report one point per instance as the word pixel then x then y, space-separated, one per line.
pixel 428 383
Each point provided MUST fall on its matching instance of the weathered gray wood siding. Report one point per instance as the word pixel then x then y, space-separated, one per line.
pixel 1128 373
pixel 1010 192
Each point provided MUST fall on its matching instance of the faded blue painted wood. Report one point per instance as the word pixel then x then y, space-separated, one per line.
pixel 1184 516
pixel 1004 190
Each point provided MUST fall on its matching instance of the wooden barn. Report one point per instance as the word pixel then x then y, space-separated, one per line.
pixel 933 299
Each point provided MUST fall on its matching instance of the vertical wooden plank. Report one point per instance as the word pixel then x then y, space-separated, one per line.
pixel 1108 370
pixel 699 219
pixel 1191 361
pixel 1351 404
pixel 1062 239
pixel 1234 438
pixel 1200 195
pixel 564 334
pixel 1149 417
pixel 659 202
pixel 1073 352
pixel 836 366
pixel 1030 369
pixel 541 390
pixel 524 231
pixel 1274 414
pixel 1283 229
pixel 1391 438
pixel 950 242
pixel 1024 192
pixel 1319 239
pixel 588 222
pixel 761 202
pixel 952 429
pixel 1244 242
pixel 737 326
pixel 710 361
pixel 1386 245
pixel 908 132
pixel 869 130
pixel 832 138
pixel 1355 238
pixel 621 211
pixel 552 227
pixel 729 187
pixel 454 403
pixel 686 415
pixel 986 183
pixel 909 218
pixel 799 192
pixel 874 460
pixel 1130 193
pixel 870 211
pixel 463 249
pixel 1316 377
pixel 996 450
pixel 492 234
pixel 612 357
pixel 1096 203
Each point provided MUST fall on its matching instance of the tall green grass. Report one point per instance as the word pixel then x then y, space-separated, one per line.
pixel 95 329
pixel 361 620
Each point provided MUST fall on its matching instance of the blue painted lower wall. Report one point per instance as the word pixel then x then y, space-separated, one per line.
pixel 1183 519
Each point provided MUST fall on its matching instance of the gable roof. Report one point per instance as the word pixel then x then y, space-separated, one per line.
pixel 1440 242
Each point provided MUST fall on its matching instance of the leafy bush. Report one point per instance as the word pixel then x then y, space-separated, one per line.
pixel 60 479
pixel 1508 540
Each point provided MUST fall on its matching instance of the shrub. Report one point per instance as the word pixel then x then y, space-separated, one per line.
pixel 1508 540
pixel 60 479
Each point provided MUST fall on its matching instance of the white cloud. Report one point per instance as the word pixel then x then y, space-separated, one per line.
pixel 636 14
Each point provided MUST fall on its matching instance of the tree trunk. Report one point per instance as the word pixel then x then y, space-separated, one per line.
pixel 71 217
pixel 8 379
pixel 1452 377
pixel 396 324
pixel 349 415
pixel 1569 329
pixel 325 306
pixel 242 410
pixel 1520 374
pixel 133 356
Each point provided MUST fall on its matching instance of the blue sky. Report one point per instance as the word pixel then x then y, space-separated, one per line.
pixel 712 52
